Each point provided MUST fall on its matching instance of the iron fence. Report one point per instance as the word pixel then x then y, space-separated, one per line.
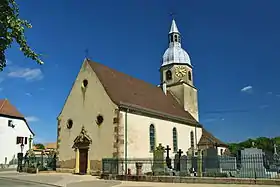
pixel 42 162
pixel 221 166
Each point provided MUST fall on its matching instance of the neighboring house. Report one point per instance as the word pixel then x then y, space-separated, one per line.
pixel 15 133
pixel 109 114
pixel 51 146
pixel 48 148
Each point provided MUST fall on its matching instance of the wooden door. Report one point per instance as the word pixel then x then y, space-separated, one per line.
pixel 83 161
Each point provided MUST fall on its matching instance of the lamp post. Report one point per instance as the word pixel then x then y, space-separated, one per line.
pixel 20 158
pixel 21 147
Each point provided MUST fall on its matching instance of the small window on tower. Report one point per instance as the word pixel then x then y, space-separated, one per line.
pixel 171 38
pixel 190 75
pixel 176 38
pixel 168 75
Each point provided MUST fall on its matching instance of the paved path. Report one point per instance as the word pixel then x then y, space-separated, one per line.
pixel 70 180
pixel 17 183
pixel 154 184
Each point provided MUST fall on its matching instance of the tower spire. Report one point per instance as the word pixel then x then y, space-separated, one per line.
pixel 173 28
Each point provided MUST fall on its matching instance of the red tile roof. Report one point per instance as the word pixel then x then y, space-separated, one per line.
pixel 6 108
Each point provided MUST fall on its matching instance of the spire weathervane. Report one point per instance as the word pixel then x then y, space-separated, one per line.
pixel 172 14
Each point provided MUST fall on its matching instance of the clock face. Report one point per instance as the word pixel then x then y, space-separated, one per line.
pixel 180 71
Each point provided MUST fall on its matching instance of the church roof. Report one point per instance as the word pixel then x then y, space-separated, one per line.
pixel 124 89
pixel 207 139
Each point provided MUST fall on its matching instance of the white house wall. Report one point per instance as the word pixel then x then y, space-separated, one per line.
pixel 138 135
pixel 8 138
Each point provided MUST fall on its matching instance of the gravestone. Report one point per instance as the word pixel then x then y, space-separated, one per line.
pixel 177 160
pixel 192 161
pixel 252 164
pixel 158 161
pixel 211 161
pixel 168 159
pixel 184 165
pixel 228 165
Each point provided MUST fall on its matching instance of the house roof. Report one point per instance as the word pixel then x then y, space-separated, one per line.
pixel 123 88
pixel 52 145
pixel 207 138
pixel 7 109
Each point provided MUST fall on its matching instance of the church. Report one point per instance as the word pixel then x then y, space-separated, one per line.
pixel 109 114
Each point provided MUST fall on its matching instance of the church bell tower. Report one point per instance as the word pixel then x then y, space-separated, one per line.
pixel 176 73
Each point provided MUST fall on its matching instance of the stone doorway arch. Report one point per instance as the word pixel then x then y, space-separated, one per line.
pixel 81 146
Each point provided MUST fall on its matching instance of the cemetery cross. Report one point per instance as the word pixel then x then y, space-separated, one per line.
pixel 168 160
pixel 179 154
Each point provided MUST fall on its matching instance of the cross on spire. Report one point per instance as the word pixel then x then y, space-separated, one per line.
pixel 172 14
pixel 86 53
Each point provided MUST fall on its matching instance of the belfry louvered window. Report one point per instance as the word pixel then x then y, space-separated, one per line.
pixel 168 75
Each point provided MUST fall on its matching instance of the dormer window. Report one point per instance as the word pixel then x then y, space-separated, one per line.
pixel 168 75
pixel 10 124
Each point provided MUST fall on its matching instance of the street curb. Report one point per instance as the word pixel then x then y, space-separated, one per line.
pixel 30 181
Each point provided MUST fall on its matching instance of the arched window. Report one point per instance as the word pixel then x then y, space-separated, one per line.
pixel 152 137
pixel 168 75
pixel 190 75
pixel 175 140
pixel 192 139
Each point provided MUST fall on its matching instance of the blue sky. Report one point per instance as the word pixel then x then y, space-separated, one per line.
pixel 232 44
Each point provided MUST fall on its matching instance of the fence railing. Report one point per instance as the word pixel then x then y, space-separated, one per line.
pixel 244 167
pixel 43 163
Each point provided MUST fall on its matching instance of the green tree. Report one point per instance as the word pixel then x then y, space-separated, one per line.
pixel 39 146
pixel 264 143
pixel 12 28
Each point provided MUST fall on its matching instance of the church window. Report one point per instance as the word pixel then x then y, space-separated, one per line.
pixel 192 139
pixel 85 83
pixel 175 140
pixel 152 137
pixel 69 123
pixel 190 75
pixel 168 75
